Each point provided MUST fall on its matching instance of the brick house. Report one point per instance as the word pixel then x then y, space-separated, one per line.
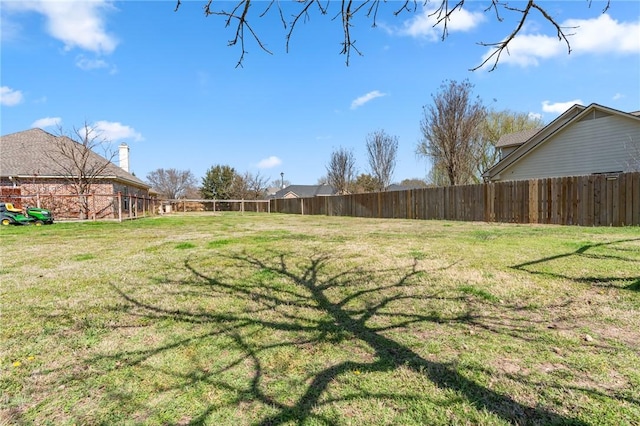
pixel 38 168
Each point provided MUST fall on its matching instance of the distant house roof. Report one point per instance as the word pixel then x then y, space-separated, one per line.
pixel 272 190
pixel 406 187
pixel 305 191
pixel 34 153
pixel 517 138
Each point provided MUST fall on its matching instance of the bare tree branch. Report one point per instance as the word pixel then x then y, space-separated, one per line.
pixel 303 14
pixel 405 7
pixel 382 150
pixel 443 15
pixel 242 23
pixel 341 170
pixel 504 44
pixel 606 7
pixel 76 160
pixel 349 9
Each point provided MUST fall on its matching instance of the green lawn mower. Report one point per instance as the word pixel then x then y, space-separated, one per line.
pixel 9 215
pixel 40 216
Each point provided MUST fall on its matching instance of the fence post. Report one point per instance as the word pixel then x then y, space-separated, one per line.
pixel 93 203
pixel 302 206
pixel 119 206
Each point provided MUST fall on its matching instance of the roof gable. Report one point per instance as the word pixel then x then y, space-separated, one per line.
pixel 573 115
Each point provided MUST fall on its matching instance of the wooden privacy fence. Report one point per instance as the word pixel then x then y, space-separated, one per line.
pixel 593 200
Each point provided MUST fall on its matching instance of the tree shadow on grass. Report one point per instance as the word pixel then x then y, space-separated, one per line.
pixel 583 251
pixel 337 317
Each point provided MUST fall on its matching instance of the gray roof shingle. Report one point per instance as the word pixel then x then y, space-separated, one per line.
pixel 35 152
pixel 518 138
pixel 306 191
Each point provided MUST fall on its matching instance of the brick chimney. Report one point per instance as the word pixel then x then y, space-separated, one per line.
pixel 124 156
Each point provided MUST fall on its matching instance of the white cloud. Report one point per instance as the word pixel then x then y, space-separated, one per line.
pixel 559 107
pixel 599 35
pixel 358 102
pixel 269 163
pixel 87 64
pixel 115 131
pixel 618 96
pixel 528 50
pixel 604 34
pixel 425 24
pixel 47 122
pixel 535 116
pixel 9 96
pixel 77 23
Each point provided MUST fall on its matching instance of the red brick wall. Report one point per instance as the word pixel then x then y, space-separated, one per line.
pixel 58 196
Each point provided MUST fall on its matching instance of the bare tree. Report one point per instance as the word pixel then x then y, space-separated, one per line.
pixel 382 150
pixel 341 170
pixel 241 13
pixel 247 186
pixel 172 183
pixel 437 175
pixel 633 162
pixel 496 125
pixel 255 186
pixel 280 183
pixel 322 180
pixel 239 187
pixel 75 158
pixel 451 131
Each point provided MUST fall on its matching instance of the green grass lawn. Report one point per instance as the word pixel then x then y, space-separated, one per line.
pixel 261 319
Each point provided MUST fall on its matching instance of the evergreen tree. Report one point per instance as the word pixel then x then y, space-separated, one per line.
pixel 218 182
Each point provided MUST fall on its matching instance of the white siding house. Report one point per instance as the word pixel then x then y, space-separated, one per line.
pixel 582 141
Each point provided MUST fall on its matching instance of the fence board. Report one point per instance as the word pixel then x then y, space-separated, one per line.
pixel 615 200
pixel 593 200
pixel 635 199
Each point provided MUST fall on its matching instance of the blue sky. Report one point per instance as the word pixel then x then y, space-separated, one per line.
pixel 166 83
